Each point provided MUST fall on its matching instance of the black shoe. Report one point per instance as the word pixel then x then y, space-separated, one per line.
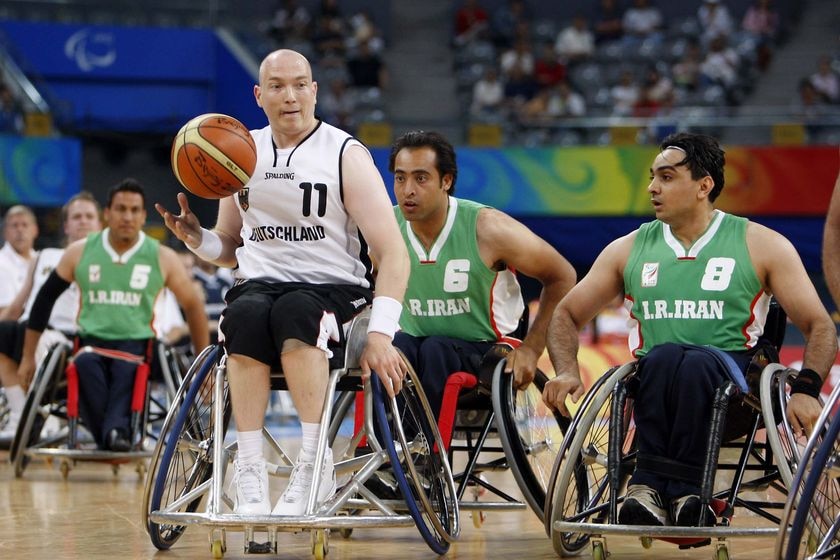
pixel 118 441
pixel 642 506
pixel 685 512
pixel 383 485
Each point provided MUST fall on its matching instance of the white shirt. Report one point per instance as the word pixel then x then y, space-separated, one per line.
pixel 66 308
pixel 14 269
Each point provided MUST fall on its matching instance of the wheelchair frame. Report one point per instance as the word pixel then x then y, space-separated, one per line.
pixel 48 397
pixel 595 499
pixel 167 516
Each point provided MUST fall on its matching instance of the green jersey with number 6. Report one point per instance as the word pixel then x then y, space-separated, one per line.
pixel 118 291
pixel 451 292
pixel 707 294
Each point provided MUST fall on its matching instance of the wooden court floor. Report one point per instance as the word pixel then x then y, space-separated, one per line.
pixel 95 514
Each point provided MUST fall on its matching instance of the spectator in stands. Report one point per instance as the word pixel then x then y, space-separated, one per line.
pixel 826 81
pixel 576 42
pixel 625 94
pixel 566 102
pixel 642 21
pixel 291 21
pixel 548 70
pixel 363 29
pixel 809 105
pixel 714 20
pixel 520 57
pixel 11 114
pixel 519 88
pixel 761 23
pixel 338 105
pixel 20 229
pixel 329 9
pixel 471 22
pixel 329 36
pixel 507 20
pixel 535 110
pixel 720 65
pixel 488 93
pixel 608 26
pixel 686 71
pixel 367 69
pixel 657 91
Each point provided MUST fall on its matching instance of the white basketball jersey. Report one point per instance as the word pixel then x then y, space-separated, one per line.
pixel 66 308
pixel 295 227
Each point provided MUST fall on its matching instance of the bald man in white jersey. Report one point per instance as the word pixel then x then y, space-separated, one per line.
pixel 294 234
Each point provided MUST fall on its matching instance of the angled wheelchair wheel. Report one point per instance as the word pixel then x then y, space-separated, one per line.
pixel 815 530
pixel 183 456
pixel 581 491
pixel 774 397
pixel 47 395
pixel 418 458
pixel 530 434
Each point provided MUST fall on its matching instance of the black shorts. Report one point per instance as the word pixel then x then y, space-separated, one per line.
pixel 11 339
pixel 261 316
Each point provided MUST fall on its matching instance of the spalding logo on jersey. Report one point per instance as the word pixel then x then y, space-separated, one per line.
pixel 243 199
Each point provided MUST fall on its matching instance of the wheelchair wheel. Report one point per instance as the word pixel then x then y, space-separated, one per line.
pixel 779 433
pixel 818 519
pixel 420 466
pixel 581 491
pixel 182 459
pixel 529 432
pixel 47 395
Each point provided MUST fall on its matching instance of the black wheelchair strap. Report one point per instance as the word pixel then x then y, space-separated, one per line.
pixel 669 468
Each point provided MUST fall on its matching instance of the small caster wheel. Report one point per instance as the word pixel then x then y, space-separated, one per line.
pixel 598 552
pixel 647 542
pixel 217 549
pixel 722 553
pixel 320 544
pixel 346 533
pixel 115 469
pixel 478 518
pixel 141 470
pixel 64 467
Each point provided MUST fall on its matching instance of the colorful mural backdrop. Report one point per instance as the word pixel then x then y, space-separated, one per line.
pixel 612 181
pixel 39 171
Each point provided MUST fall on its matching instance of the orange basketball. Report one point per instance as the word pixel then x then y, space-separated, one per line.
pixel 213 155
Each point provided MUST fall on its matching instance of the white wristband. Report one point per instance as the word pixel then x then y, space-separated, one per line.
pixel 384 316
pixel 210 247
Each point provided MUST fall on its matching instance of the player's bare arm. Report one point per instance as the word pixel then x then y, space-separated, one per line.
pixel 176 278
pixel 507 242
pixel 368 204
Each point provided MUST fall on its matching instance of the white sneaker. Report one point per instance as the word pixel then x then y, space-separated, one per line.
pixel 251 481
pixel 10 429
pixel 294 497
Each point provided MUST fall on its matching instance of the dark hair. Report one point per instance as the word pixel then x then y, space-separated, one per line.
pixel 703 156
pixel 83 195
pixel 126 185
pixel 444 152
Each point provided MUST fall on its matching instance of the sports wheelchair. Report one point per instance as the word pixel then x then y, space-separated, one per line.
pixel 477 407
pixel 50 426
pixel 815 526
pixel 598 456
pixel 185 483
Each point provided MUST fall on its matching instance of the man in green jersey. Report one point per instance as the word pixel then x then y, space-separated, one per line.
pixel 463 295
pixel 120 273
pixel 831 245
pixel 697 282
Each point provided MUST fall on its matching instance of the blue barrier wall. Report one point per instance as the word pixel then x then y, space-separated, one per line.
pixel 134 78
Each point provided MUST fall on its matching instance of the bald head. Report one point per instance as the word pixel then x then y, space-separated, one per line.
pixel 284 58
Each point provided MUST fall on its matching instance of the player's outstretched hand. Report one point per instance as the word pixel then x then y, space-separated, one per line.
pixel 185 225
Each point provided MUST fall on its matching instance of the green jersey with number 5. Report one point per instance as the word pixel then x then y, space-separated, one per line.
pixel 118 291
pixel 707 294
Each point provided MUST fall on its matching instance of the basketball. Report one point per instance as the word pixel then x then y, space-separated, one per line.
pixel 213 155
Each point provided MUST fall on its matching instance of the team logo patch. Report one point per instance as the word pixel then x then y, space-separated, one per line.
pixel 243 199
pixel 94 273
pixel 650 274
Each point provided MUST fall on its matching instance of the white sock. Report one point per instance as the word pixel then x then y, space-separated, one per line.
pixel 16 398
pixel 309 440
pixel 250 446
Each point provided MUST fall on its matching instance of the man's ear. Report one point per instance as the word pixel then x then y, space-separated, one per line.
pixel 446 182
pixel 707 184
